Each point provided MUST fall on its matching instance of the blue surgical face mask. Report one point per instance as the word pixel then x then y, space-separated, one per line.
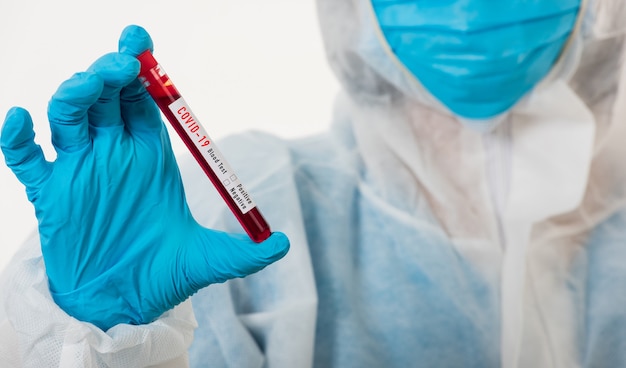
pixel 477 57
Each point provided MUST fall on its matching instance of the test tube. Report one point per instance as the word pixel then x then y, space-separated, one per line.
pixel 202 147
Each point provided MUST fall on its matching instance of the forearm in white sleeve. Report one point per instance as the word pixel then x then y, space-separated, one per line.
pixel 35 332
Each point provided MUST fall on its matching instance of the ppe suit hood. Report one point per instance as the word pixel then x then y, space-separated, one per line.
pixel 346 23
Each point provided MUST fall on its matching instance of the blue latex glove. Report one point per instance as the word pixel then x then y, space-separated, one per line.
pixel 118 240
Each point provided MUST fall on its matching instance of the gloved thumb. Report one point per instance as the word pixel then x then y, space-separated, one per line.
pixel 223 256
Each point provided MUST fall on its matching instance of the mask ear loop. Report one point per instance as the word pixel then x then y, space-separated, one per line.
pixel 582 10
pixel 569 57
pixel 410 84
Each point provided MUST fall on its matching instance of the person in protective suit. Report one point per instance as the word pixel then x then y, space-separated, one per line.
pixel 467 207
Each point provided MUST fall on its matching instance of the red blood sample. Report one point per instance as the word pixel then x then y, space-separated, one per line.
pixel 203 149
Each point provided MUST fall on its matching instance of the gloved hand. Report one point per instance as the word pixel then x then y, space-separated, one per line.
pixel 118 240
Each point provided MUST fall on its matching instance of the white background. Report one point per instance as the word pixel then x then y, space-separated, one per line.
pixel 241 64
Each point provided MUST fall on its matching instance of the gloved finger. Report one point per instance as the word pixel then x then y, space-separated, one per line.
pixel 117 71
pixel 134 40
pixel 21 154
pixel 67 111
pixel 138 109
pixel 68 108
pixel 226 256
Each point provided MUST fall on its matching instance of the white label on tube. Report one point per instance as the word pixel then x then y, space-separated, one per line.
pixel 212 155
